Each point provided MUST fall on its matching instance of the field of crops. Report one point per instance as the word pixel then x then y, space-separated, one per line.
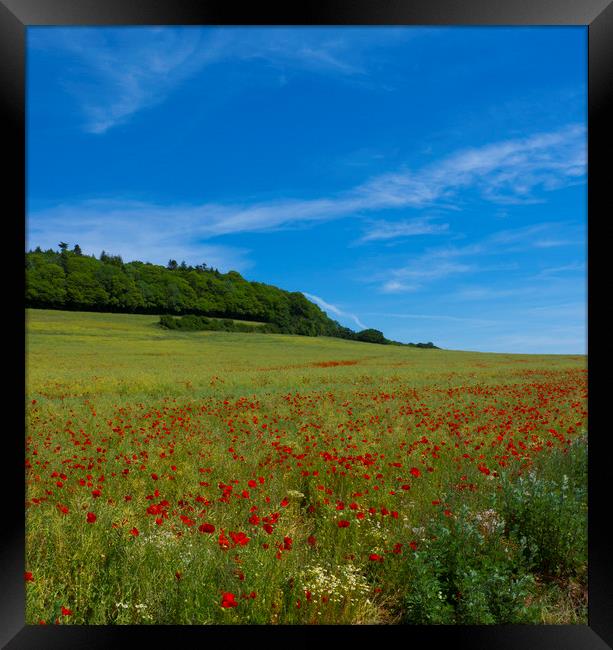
pixel 226 478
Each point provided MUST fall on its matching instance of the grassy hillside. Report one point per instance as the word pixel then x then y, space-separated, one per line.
pixel 128 354
pixel 72 281
pixel 215 478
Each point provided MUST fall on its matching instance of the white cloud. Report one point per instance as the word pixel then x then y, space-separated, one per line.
pixel 385 230
pixel 190 223
pixel 115 73
pixel 443 262
pixel 438 317
pixel 134 230
pixel 333 309
pixel 502 172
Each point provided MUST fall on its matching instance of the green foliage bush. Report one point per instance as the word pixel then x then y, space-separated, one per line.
pixel 467 573
pixel 549 514
pixel 71 280
pixel 371 336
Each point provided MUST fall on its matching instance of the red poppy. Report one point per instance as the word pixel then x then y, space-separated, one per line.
pixel 66 611
pixel 239 538
pixel 375 557
pixel 343 523
pixel 415 472
pixel 311 541
pixel 134 532
pixel 62 509
pixel 284 502
pixel 206 528
pixel 28 576
pixel 228 600
pixel 91 517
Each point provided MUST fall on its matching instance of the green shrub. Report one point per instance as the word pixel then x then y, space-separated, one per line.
pixel 549 517
pixel 468 573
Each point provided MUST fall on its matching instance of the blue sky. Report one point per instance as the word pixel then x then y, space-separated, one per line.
pixel 427 182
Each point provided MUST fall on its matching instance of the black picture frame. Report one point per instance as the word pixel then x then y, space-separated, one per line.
pixel 597 16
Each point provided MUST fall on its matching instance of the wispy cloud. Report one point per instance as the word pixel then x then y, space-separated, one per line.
pixel 385 230
pixel 557 270
pixel 436 317
pixel 115 73
pixel 413 276
pixel 504 172
pixel 134 230
pixel 446 261
pixel 559 340
pixel 192 223
pixel 333 309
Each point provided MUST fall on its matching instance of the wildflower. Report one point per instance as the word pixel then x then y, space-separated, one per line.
pixel 91 517
pixel 228 600
pixel 134 532
pixel 206 528
pixel 66 611
pixel 28 576
pixel 343 523
pixel 239 538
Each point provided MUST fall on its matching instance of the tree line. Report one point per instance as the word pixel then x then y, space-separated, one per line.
pixel 68 279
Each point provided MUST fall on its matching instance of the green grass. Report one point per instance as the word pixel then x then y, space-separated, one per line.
pixel 113 392
pixel 81 353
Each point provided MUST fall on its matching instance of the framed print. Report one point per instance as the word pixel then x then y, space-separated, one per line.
pixel 307 304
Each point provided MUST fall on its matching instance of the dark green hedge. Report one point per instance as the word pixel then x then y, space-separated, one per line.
pixel 67 279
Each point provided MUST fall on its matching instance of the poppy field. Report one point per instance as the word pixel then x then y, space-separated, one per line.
pixel 225 478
